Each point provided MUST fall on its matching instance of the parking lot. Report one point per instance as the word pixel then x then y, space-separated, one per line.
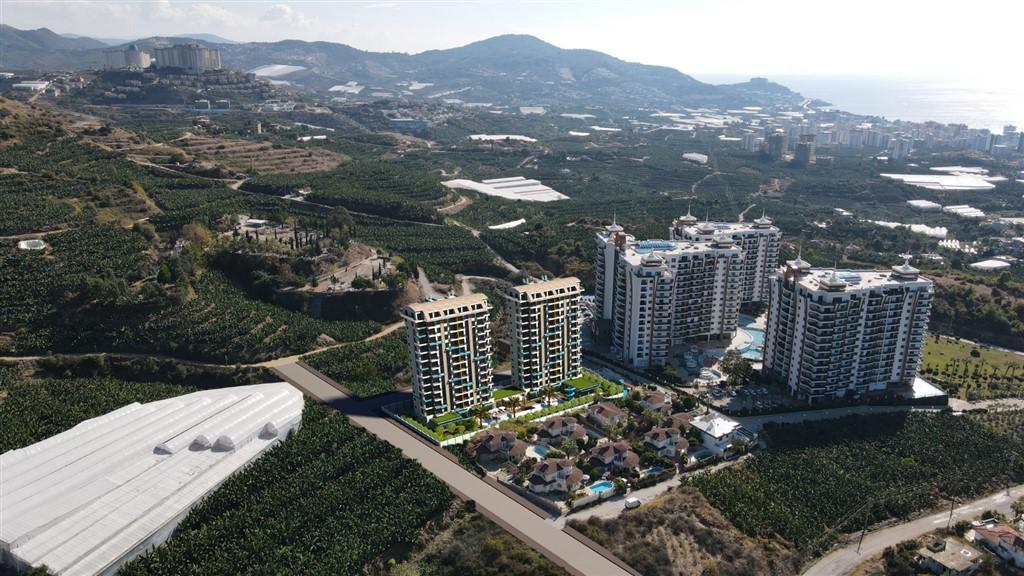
pixel 752 398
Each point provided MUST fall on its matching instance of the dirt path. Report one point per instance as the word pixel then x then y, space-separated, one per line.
pixel 457 207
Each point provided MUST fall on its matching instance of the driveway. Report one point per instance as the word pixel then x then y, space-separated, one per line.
pixel 539 533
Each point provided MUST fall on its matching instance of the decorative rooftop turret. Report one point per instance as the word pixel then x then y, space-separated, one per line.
pixel 905 271
pixel 762 222
pixel 833 283
pixel 687 220
pixel 799 265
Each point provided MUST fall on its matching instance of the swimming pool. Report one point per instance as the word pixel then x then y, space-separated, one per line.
pixel 602 486
pixel 753 349
pixel 541 449
pixel 653 471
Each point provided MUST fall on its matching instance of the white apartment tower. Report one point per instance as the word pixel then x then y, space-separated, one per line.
pixel 544 325
pixel 838 333
pixel 610 245
pixel 192 58
pixel 450 354
pixel 670 292
pixel 759 241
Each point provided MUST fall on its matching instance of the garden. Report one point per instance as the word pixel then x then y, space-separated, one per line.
pixel 366 368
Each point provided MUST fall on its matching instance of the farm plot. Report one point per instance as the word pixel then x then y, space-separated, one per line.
pixel 264 157
pixel 366 368
pixel 821 479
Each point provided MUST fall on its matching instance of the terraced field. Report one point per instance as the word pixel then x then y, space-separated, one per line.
pixel 263 157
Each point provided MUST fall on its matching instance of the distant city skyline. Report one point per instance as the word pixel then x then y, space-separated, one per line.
pixel 742 37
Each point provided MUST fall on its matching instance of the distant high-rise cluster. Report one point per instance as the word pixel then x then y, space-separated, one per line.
pixel 130 57
pixel 658 294
pixel 192 58
pixel 835 334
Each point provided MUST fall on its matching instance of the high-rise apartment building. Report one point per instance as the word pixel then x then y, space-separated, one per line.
pixel 544 326
pixel 804 152
pixel 671 292
pixel 776 145
pixel 759 241
pixel 450 354
pixel 192 58
pixel 832 334
pixel 611 244
pixel 901 148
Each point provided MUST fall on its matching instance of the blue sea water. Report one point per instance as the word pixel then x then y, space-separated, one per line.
pixel 980 103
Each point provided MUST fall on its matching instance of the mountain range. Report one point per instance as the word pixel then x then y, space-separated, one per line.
pixel 511 69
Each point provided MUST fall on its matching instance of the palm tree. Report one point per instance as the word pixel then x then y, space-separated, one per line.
pixel 547 392
pixel 479 412
pixel 513 404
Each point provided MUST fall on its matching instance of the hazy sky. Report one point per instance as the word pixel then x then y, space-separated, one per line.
pixel 953 38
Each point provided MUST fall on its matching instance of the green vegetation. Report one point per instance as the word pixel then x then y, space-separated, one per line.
pixel 567 405
pixel 377 188
pixel 824 478
pixel 972 372
pixel 329 500
pixel 444 427
pixel 502 393
pixel 366 368
pixel 442 251
pixel 472 544
pixel 34 409
pixel 591 381
pixel 1007 422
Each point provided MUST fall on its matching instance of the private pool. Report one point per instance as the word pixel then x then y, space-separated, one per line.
pixel 541 450
pixel 653 471
pixel 602 486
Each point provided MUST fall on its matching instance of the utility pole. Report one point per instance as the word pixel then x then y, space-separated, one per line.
pixel 952 504
pixel 864 531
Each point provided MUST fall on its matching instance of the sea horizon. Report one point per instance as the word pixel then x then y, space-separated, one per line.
pixel 986 103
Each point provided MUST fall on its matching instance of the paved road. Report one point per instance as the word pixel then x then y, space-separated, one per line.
pixel 544 536
pixel 844 560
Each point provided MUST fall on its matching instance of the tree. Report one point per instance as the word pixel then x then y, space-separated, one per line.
pixel 479 412
pixel 737 369
pixel 360 283
pixel 1018 506
pixel 547 392
pixel 513 404
pixel 339 223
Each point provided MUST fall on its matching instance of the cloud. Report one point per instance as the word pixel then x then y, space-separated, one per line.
pixel 284 14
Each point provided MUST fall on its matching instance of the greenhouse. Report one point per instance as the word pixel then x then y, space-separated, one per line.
pixel 87 500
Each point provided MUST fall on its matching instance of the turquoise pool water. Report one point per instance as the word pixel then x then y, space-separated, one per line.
pixel 602 486
pixel 653 471
pixel 755 349
pixel 541 449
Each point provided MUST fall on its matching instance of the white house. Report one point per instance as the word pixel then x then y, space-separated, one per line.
pixel 1006 542
pixel 554 476
pixel 666 441
pixel 720 434
pixel 605 414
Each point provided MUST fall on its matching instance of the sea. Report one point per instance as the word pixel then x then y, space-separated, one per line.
pixel 982 103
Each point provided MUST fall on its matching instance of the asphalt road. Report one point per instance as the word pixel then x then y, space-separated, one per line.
pixel 844 560
pixel 542 535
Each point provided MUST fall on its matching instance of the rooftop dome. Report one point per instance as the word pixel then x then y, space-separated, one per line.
pixel 906 271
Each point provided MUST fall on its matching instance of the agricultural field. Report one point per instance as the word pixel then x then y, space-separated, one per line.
pixel 442 251
pixel 679 533
pixel 260 156
pixel 469 543
pixel 366 368
pixel 377 188
pixel 330 500
pixel 32 409
pixel 223 324
pixel 973 372
pixel 821 479
pixel 1006 422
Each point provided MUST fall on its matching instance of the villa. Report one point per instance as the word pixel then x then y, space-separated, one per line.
pixel 667 442
pixel 606 414
pixel 679 420
pixel 496 445
pixel 614 456
pixel 555 430
pixel 1004 541
pixel 657 401
pixel 719 434
pixel 554 476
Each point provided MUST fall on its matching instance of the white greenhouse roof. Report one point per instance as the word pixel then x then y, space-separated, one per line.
pixel 89 499
pixel 516 188
pixel 943 181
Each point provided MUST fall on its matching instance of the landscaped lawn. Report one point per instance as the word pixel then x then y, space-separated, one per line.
pixel 590 379
pixel 502 393
pixel 990 373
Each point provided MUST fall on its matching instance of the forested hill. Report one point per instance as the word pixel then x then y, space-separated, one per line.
pixel 513 69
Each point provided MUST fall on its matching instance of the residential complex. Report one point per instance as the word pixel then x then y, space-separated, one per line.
pixel 659 294
pixel 190 57
pixel 833 334
pixel 544 325
pixel 759 241
pixel 450 354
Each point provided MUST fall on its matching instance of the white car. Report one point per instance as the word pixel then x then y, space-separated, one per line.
pixel 632 503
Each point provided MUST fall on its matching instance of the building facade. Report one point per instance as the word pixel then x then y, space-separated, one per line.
pixel 670 292
pixel 833 334
pixel 450 354
pixel 544 325
pixel 759 241
pixel 190 57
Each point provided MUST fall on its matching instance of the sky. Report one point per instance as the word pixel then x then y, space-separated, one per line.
pixel 926 38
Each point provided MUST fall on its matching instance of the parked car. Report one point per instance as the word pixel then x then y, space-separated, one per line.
pixel 632 503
